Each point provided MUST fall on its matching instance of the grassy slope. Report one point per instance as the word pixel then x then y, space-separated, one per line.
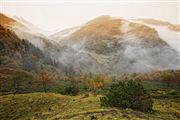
pixel 56 106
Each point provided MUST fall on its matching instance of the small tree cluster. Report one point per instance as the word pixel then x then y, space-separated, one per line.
pixel 21 81
pixel 129 94
pixel 71 90
pixel 95 82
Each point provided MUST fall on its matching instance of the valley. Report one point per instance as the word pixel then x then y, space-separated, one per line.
pixel 74 73
pixel 53 106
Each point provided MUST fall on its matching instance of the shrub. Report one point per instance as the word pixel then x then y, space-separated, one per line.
pixel 71 90
pixel 129 94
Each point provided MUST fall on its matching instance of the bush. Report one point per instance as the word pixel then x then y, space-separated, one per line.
pixel 71 90
pixel 129 94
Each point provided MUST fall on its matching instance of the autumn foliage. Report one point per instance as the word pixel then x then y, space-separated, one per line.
pixel 168 77
pixel 95 82
pixel 45 79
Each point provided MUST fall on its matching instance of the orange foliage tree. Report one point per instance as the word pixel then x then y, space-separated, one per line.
pixel 45 79
pixel 97 81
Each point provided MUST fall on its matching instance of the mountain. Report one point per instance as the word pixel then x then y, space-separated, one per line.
pixel 35 70
pixel 113 45
pixel 6 21
pixel 105 45
pixel 25 30
pixel 167 31
pixel 16 53
pixel 173 27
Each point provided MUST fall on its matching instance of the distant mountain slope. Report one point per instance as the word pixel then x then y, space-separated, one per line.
pixel 113 45
pixel 167 31
pixel 173 27
pixel 105 45
pixel 18 53
pixel 6 20
pixel 25 30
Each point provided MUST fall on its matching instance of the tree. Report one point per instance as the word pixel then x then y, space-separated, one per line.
pixel 129 94
pixel 21 80
pixel 5 78
pixel 45 79
pixel 168 78
pixel 4 82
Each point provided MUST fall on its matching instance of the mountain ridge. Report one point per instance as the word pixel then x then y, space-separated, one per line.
pixel 174 27
pixel 106 43
pixel 109 45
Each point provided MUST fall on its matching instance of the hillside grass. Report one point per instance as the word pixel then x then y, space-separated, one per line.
pixel 53 106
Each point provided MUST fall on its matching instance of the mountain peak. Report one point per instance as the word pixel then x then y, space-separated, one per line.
pixel 99 18
pixel 103 27
pixel 110 28
pixel 5 20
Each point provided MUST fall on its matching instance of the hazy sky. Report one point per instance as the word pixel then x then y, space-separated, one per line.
pixel 59 15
